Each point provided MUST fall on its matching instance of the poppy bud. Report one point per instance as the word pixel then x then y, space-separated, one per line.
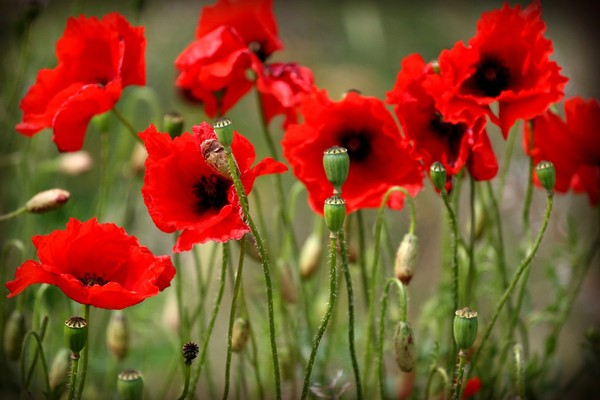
pixel 288 288
pixel 14 334
pixel 76 333
pixel 190 352
pixel 465 327
pixel 214 155
pixel 310 256
pixel 240 334
pixel 130 385
pixel 173 124
pixel 406 258
pixel 75 163
pixel 546 174
pixel 47 200
pixel 335 213
pixel 224 131
pixel 59 371
pixel 117 335
pixel 336 163
pixel 437 171
pixel 139 154
pixel 406 356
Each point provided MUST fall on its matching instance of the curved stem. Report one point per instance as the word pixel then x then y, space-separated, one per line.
pixel 326 317
pixel 442 372
pixel 13 214
pixel 40 352
pixel 454 227
pixel 350 291
pixel 85 355
pixel 127 124
pixel 41 335
pixel 186 369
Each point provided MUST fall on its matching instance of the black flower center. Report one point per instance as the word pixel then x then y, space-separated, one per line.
pixel 358 145
pixel 491 77
pixel 211 192
pixel 91 279
pixel 452 133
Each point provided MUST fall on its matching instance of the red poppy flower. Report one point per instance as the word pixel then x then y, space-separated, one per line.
pixel 379 156
pixel 472 387
pixel 282 87
pixel 213 70
pixel 573 145
pixel 95 264
pixel 252 19
pixel 507 61
pixel 454 145
pixel 96 59
pixel 184 193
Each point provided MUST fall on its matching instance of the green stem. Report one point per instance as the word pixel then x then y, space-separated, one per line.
pixel 73 375
pixel 328 312
pixel 362 254
pixel 241 192
pixel 104 174
pixel 13 214
pixel 186 369
pixel 441 372
pixel 127 124
pixel 181 314
pixel 41 335
pixel 462 361
pixel 86 351
pixel 471 271
pixel 40 351
pixel 529 193
pixel 518 353
pixel 510 145
pixel 455 238
pixel 211 324
pixel 350 291
pixel 255 365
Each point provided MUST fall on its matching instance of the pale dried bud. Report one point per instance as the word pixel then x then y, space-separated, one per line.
pixel 75 163
pixel 138 159
pixel 310 256
pixel 406 258
pixel 47 200
pixel 404 343
pixel 117 335
pixel 240 334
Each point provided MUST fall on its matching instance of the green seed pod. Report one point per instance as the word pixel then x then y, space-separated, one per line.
pixel 310 256
pixel 14 334
pixel 406 355
pixel 76 333
pixel 465 327
pixel 406 258
pixel 546 174
pixel 117 334
pixel 130 385
pixel 335 213
pixel 59 371
pixel 173 124
pixel 336 163
pixel 240 334
pixel 437 171
pixel 224 131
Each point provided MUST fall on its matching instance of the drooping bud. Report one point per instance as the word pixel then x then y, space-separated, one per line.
pixel 224 131
pixel 335 213
pixel 75 163
pixel 59 371
pixel 406 356
pixel 406 258
pixel 240 334
pixel 117 334
pixel 546 174
pixel 14 332
pixel 214 155
pixel 47 200
pixel 465 327
pixel 130 385
pixel 310 255
pixel 336 163
pixel 76 333
pixel 173 124
pixel 437 171
pixel 190 352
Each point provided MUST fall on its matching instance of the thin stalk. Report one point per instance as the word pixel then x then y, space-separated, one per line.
pixel 529 193
pixel 362 256
pixel 13 214
pixel 518 354
pixel 41 335
pixel 86 352
pixel 510 145
pixel 104 173
pixel 462 361
pixel 255 365
pixel 40 351
pixel 455 238
pixel 186 370
pixel 442 373
pixel 183 322
pixel 471 249
pixel 127 124
pixel 73 375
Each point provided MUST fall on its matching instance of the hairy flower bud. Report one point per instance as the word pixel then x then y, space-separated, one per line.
pixel 59 370
pixel 173 124
pixel 336 163
pixel 310 255
pixel 76 333
pixel 335 213
pixel 224 131
pixel 465 327
pixel 14 332
pixel 130 385
pixel 47 200
pixel 117 334
pixel 240 334
pixel 406 356
pixel 437 171
pixel 546 174
pixel 406 258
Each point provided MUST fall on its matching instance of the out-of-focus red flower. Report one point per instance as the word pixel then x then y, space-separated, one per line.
pixel 184 193
pixel 573 145
pixel 379 157
pixel 96 59
pixel 472 387
pixel 282 87
pixel 507 61
pixel 95 264
pixel 213 70
pixel 454 145
pixel 252 19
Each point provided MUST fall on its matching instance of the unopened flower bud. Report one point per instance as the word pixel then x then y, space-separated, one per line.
pixel 240 334
pixel 75 163
pixel 335 213
pixel 465 327
pixel 406 356
pixel 117 334
pixel 173 124
pixel 190 352
pixel 437 171
pixel 288 288
pixel 76 333
pixel 47 200
pixel 310 256
pixel 59 370
pixel 546 174
pixel 336 163
pixel 214 155
pixel 406 258
pixel 137 162
pixel 14 332
pixel 224 131
pixel 130 385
